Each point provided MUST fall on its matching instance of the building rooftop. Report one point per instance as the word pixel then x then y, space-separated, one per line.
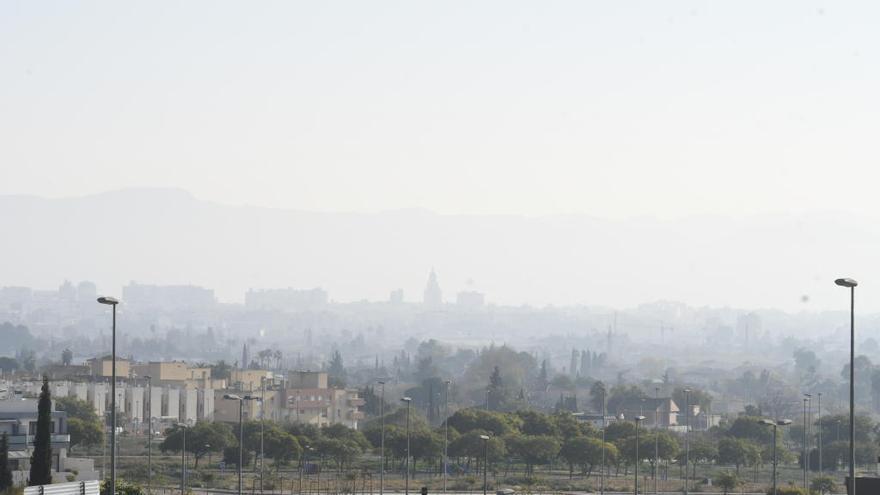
pixel 19 405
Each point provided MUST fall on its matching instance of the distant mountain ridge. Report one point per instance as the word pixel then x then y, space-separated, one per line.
pixel 165 236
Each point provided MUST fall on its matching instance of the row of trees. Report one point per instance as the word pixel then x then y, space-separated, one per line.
pixel 527 438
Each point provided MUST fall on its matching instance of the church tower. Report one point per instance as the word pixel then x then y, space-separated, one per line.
pixel 433 294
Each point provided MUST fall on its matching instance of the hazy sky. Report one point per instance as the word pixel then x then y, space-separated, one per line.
pixel 611 108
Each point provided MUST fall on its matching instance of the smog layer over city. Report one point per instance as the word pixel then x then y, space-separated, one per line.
pixel 358 247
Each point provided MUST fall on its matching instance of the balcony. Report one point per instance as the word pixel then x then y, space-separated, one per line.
pixel 18 440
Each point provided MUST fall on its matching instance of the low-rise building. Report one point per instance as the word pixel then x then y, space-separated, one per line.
pixel 18 420
pixel 102 367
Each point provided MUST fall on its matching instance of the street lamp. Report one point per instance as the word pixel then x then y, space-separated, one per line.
pixel 485 439
pixel 408 401
pixel 446 436
pixel 806 450
pixel 638 420
pixel 149 433
pixel 819 429
pixel 602 489
pixel 182 426
pixel 775 425
pixel 262 421
pixel 382 440
pixel 851 284
pixel 240 434
pixel 687 429
pixel 656 436
pixel 111 301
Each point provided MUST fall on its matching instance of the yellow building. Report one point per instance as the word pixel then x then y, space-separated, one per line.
pixel 309 399
pixel 178 373
pixel 103 367
pixel 248 380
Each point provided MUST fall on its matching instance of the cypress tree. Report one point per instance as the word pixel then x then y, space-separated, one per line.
pixel 5 472
pixel 41 459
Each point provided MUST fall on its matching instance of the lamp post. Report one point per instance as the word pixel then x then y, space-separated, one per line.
pixel 240 434
pixel 406 479
pixel 819 428
pixel 149 432
pixel 687 429
pixel 110 301
pixel 182 426
pixel 382 440
pixel 775 425
pixel 851 284
pixel 262 421
pixel 656 437
pixel 804 455
pixel 602 484
pixel 485 439
pixel 638 420
pixel 208 479
pixel 487 398
pixel 446 435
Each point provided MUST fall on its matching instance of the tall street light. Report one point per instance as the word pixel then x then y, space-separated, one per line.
pixel 408 401
pixel 260 400
pixel 149 433
pixel 602 484
pixel 687 429
pixel 182 426
pixel 110 301
pixel 851 284
pixel 382 440
pixel 446 435
pixel 819 429
pixel 804 455
pixel 638 420
pixel 485 439
pixel 240 434
pixel 775 425
pixel 262 421
pixel 656 436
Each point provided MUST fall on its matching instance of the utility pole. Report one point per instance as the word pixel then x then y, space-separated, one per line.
pixel 446 437
pixel 149 433
pixel 656 436
pixel 687 428
pixel 382 441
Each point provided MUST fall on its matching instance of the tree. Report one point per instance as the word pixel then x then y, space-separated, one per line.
pixel 702 451
pixel 597 396
pixel 823 485
pixel 230 456
pixel 280 446
pixel 750 428
pixel 336 370
pixel 533 449
pixel 727 481
pixel 66 357
pixel 76 408
pixel 585 452
pixel 122 488
pixel 536 423
pixel 84 432
pixel 5 471
pixel 732 451
pixel 221 371
pixel 202 438
pixel 498 424
pixel 41 459
pixel 497 393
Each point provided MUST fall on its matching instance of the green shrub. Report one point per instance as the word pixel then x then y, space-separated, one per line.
pixel 787 490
